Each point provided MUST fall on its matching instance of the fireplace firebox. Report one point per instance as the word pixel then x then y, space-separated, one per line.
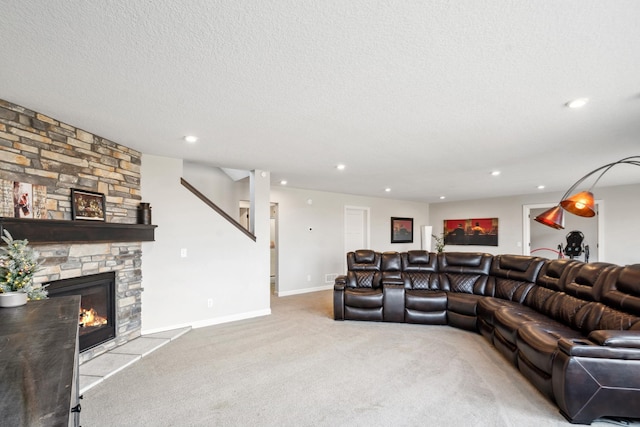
pixel 97 317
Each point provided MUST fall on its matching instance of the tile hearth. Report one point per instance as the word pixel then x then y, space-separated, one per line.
pixel 96 370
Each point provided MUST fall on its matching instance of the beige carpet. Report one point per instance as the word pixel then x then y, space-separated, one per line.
pixel 299 367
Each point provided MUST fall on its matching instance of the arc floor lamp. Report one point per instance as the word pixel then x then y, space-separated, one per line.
pixel 582 203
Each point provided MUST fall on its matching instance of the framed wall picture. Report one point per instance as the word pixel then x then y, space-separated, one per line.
pixel 22 200
pixel 471 231
pixel 401 230
pixel 87 205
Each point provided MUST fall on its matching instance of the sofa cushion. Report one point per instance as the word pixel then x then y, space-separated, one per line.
pixel 623 290
pixel 425 300
pixel 590 280
pixel 510 289
pixel 517 267
pixel 507 321
pixel 463 303
pixel 422 280
pixel 365 256
pixel 538 343
pixel 487 307
pixel 464 262
pixel 363 297
pixel 555 273
pixel 419 269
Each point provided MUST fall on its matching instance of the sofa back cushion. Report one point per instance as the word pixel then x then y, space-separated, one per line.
pixel 589 280
pixel 363 259
pixel 517 267
pixel 551 279
pixel 364 269
pixel 568 310
pixel 512 276
pixel 420 270
pixel 464 272
pixel 622 290
pixel 554 273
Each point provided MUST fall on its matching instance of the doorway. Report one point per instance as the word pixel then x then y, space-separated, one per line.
pixel 546 242
pixel 274 248
pixel 356 228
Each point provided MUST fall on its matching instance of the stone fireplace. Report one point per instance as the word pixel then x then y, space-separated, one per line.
pixel 40 150
pixel 75 263
pixel 97 317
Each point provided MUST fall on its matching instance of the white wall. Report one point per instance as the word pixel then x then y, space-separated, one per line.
pixel 226 266
pixel 320 251
pixel 222 263
pixel 621 221
pixel 217 186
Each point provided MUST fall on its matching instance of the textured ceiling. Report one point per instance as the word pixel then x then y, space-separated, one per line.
pixel 424 97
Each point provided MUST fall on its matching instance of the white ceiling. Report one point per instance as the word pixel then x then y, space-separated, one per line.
pixel 424 97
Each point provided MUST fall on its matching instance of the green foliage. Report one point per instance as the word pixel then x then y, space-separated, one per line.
pixel 439 242
pixel 18 264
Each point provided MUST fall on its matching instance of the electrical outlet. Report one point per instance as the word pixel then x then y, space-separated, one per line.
pixel 183 253
pixel 308 277
pixel 210 303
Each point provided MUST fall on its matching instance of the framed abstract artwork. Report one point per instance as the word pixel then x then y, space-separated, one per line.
pixel 401 230
pixel 471 231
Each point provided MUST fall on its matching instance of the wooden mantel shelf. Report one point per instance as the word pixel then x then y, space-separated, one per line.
pixel 43 231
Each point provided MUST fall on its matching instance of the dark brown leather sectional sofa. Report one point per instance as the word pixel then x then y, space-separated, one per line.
pixel 571 328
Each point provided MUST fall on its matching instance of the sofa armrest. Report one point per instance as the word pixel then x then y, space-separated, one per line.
pixel 588 348
pixel 338 297
pixel 393 302
pixel 609 338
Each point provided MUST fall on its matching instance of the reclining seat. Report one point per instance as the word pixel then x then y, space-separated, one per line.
pixel 464 276
pixel 423 301
pixel 575 312
pixel 362 291
pixel 507 320
pixel 604 364
pixel 511 278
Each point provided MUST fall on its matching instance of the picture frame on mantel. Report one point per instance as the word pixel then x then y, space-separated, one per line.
pixel 401 230
pixel 87 205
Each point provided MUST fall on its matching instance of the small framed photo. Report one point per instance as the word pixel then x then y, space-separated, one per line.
pixel 87 205
pixel 401 230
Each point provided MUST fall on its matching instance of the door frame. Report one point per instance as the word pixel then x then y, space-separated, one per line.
pixel 526 226
pixel 367 228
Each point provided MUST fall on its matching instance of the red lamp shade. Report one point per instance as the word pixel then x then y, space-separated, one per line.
pixel 581 204
pixel 553 217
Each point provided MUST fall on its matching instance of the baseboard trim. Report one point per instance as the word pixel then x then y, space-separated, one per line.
pixel 305 290
pixel 211 322
pixel 232 318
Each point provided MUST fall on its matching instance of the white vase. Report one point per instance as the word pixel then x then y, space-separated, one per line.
pixel 13 299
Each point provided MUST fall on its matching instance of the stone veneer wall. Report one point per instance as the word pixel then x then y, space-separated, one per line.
pixel 38 149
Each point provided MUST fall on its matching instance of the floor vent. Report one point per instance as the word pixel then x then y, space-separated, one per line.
pixel 330 278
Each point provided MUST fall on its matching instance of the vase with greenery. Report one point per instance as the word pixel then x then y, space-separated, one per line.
pixel 18 264
pixel 439 242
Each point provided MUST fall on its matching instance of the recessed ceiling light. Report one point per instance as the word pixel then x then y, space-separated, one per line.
pixel 495 173
pixel 540 187
pixel 340 167
pixel 577 103
pixel 283 182
pixel 191 138
pixel 388 190
pixel 442 197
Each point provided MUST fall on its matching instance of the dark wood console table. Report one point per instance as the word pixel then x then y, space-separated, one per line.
pixel 39 363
